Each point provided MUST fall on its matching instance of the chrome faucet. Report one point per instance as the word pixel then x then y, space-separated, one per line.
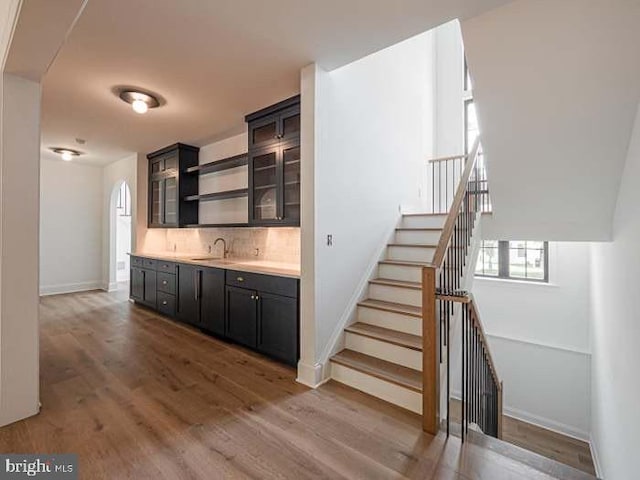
pixel 224 246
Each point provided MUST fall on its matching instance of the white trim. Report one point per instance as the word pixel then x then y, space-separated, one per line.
pixel 554 426
pixel 514 282
pixel 594 456
pixel 311 375
pixel 70 288
pixel 562 348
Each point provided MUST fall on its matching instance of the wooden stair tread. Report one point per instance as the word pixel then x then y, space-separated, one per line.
pixel 404 263
pixel 391 307
pixel 390 372
pixel 387 335
pixel 396 283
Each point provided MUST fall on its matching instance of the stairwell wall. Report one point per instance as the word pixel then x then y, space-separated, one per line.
pixel 615 388
pixel 377 129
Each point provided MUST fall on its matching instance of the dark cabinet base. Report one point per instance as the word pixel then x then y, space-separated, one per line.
pixel 254 310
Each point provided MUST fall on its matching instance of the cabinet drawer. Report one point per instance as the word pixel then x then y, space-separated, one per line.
pixel 263 283
pixel 166 283
pixel 149 263
pixel 168 267
pixel 136 261
pixel 166 304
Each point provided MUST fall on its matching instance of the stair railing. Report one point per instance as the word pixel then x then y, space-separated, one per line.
pixel 481 386
pixel 441 287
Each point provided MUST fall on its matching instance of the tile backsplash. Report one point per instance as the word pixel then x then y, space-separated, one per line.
pixel 273 244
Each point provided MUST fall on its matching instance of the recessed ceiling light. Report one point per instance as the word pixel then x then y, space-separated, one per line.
pixel 139 101
pixel 67 154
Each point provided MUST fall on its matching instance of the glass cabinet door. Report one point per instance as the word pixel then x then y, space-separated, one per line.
pixel 155 215
pixel 291 187
pixel 263 132
pixel 290 124
pixel 265 185
pixel 170 201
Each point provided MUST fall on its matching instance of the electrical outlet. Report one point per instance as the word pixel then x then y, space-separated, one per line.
pixel 330 240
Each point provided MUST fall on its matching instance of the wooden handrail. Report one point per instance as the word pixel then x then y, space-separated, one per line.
pixel 446 159
pixel 449 224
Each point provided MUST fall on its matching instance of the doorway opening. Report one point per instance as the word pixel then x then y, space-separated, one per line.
pixel 122 234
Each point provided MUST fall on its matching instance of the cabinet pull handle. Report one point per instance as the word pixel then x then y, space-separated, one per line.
pixel 240 279
pixel 164 302
pixel 257 297
pixel 253 297
pixel 164 282
pixel 197 274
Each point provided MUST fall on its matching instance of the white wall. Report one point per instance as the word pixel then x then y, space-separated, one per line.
pixel 539 337
pixel 616 331
pixel 19 185
pixel 555 86
pixel 376 131
pixel 112 177
pixel 70 227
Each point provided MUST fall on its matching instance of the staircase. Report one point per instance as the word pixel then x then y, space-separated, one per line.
pixel 383 349
pixel 398 349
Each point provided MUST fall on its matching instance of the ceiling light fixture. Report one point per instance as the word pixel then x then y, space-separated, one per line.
pixel 139 101
pixel 67 154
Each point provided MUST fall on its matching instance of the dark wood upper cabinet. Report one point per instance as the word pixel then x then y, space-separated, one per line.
pixel 274 164
pixel 170 183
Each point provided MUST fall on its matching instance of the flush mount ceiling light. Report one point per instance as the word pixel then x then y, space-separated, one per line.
pixel 66 153
pixel 139 101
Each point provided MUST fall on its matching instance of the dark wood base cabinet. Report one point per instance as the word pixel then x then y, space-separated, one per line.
pixel 254 310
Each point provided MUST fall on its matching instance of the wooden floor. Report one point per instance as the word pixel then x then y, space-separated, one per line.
pixel 567 450
pixel 140 397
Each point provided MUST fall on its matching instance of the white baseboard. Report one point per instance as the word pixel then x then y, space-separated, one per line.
pixel 538 421
pixel 110 287
pixel 46 290
pixel 311 375
pixel 593 447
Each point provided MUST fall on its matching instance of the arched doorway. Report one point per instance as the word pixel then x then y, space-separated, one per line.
pixel 122 225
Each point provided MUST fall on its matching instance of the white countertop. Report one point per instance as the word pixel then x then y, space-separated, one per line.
pixel 244 265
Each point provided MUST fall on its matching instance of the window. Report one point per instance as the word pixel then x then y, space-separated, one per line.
pixel 515 260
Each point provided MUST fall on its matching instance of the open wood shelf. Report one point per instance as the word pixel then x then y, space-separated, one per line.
pixel 242 192
pixel 219 165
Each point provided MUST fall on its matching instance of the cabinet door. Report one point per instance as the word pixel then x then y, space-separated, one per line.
pixel 264 131
pixel 212 300
pixel 278 327
pixel 290 158
pixel 241 318
pixel 156 201
pixel 264 182
pixel 188 303
pixel 170 201
pixel 136 284
pixel 149 287
pixel 289 124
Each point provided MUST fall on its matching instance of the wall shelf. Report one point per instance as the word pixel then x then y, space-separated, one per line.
pixel 219 165
pixel 207 197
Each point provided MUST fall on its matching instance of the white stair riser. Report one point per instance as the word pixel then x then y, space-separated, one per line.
pixel 418 236
pixel 411 254
pixel 386 351
pixel 390 392
pixel 390 320
pixel 407 296
pixel 400 272
pixel 423 221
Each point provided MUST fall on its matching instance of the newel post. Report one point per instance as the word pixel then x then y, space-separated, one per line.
pixel 430 353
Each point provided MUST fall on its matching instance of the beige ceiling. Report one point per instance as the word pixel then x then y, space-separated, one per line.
pixel 213 61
